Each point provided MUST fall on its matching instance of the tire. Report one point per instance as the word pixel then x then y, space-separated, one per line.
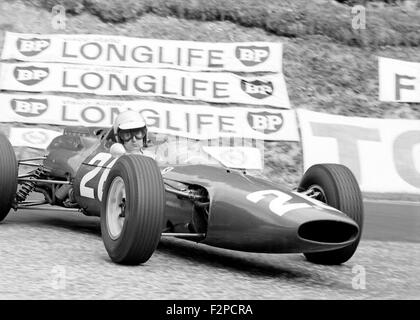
pixel 144 210
pixel 341 191
pixel 8 176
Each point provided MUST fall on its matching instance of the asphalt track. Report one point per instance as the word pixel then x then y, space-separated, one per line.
pixel 56 255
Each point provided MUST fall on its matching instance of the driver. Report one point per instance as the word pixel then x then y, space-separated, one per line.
pixel 130 130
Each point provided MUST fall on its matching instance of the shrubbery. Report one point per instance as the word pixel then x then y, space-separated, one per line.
pixel 298 18
pixel 363 2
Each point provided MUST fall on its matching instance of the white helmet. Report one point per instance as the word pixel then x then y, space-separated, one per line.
pixel 129 120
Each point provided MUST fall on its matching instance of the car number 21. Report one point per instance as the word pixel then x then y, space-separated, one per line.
pixel 100 161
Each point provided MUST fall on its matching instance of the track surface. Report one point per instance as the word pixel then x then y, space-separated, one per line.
pixel 55 255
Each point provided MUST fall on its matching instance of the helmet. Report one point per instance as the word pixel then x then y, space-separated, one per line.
pixel 129 120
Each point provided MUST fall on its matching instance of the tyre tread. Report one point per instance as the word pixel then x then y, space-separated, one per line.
pixel 8 176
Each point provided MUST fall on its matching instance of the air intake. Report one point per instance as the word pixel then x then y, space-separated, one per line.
pixel 328 231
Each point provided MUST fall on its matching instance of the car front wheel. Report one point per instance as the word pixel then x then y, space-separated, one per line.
pixel 132 211
pixel 335 185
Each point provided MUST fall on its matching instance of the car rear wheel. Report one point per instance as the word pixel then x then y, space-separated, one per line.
pixel 335 185
pixel 8 176
pixel 132 211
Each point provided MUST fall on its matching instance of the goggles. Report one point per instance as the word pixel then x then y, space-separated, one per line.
pixel 127 135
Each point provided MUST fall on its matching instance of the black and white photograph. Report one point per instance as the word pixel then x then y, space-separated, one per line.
pixel 218 151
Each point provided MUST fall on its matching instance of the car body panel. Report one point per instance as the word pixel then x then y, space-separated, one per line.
pixel 238 223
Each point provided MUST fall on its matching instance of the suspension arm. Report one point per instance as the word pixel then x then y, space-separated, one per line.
pixel 44 181
pixel 32 159
pixel 187 194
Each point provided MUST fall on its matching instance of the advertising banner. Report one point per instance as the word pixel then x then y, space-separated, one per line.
pixel 108 50
pixel 37 138
pixel 384 154
pixel 399 81
pixel 216 87
pixel 191 121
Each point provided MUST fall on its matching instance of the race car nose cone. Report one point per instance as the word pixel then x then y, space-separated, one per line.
pixel 315 228
pixel 312 214
pixel 304 229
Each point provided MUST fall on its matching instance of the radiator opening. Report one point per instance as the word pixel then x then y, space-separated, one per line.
pixel 328 231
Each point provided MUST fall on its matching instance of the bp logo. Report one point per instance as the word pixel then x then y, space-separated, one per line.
pixel 32 47
pixel 257 88
pixel 252 55
pixel 29 107
pixel 35 137
pixel 30 75
pixel 265 122
pixel 234 157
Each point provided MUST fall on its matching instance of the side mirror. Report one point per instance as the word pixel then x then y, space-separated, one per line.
pixel 117 150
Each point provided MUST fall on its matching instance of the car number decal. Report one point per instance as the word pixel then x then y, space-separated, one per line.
pixel 166 170
pixel 103 178
pixel 99 160
pixel 277 205
pixel 316 202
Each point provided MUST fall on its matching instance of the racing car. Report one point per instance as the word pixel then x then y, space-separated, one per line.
pixel 139 199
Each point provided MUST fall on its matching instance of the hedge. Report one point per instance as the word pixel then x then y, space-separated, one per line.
pixel 392 26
